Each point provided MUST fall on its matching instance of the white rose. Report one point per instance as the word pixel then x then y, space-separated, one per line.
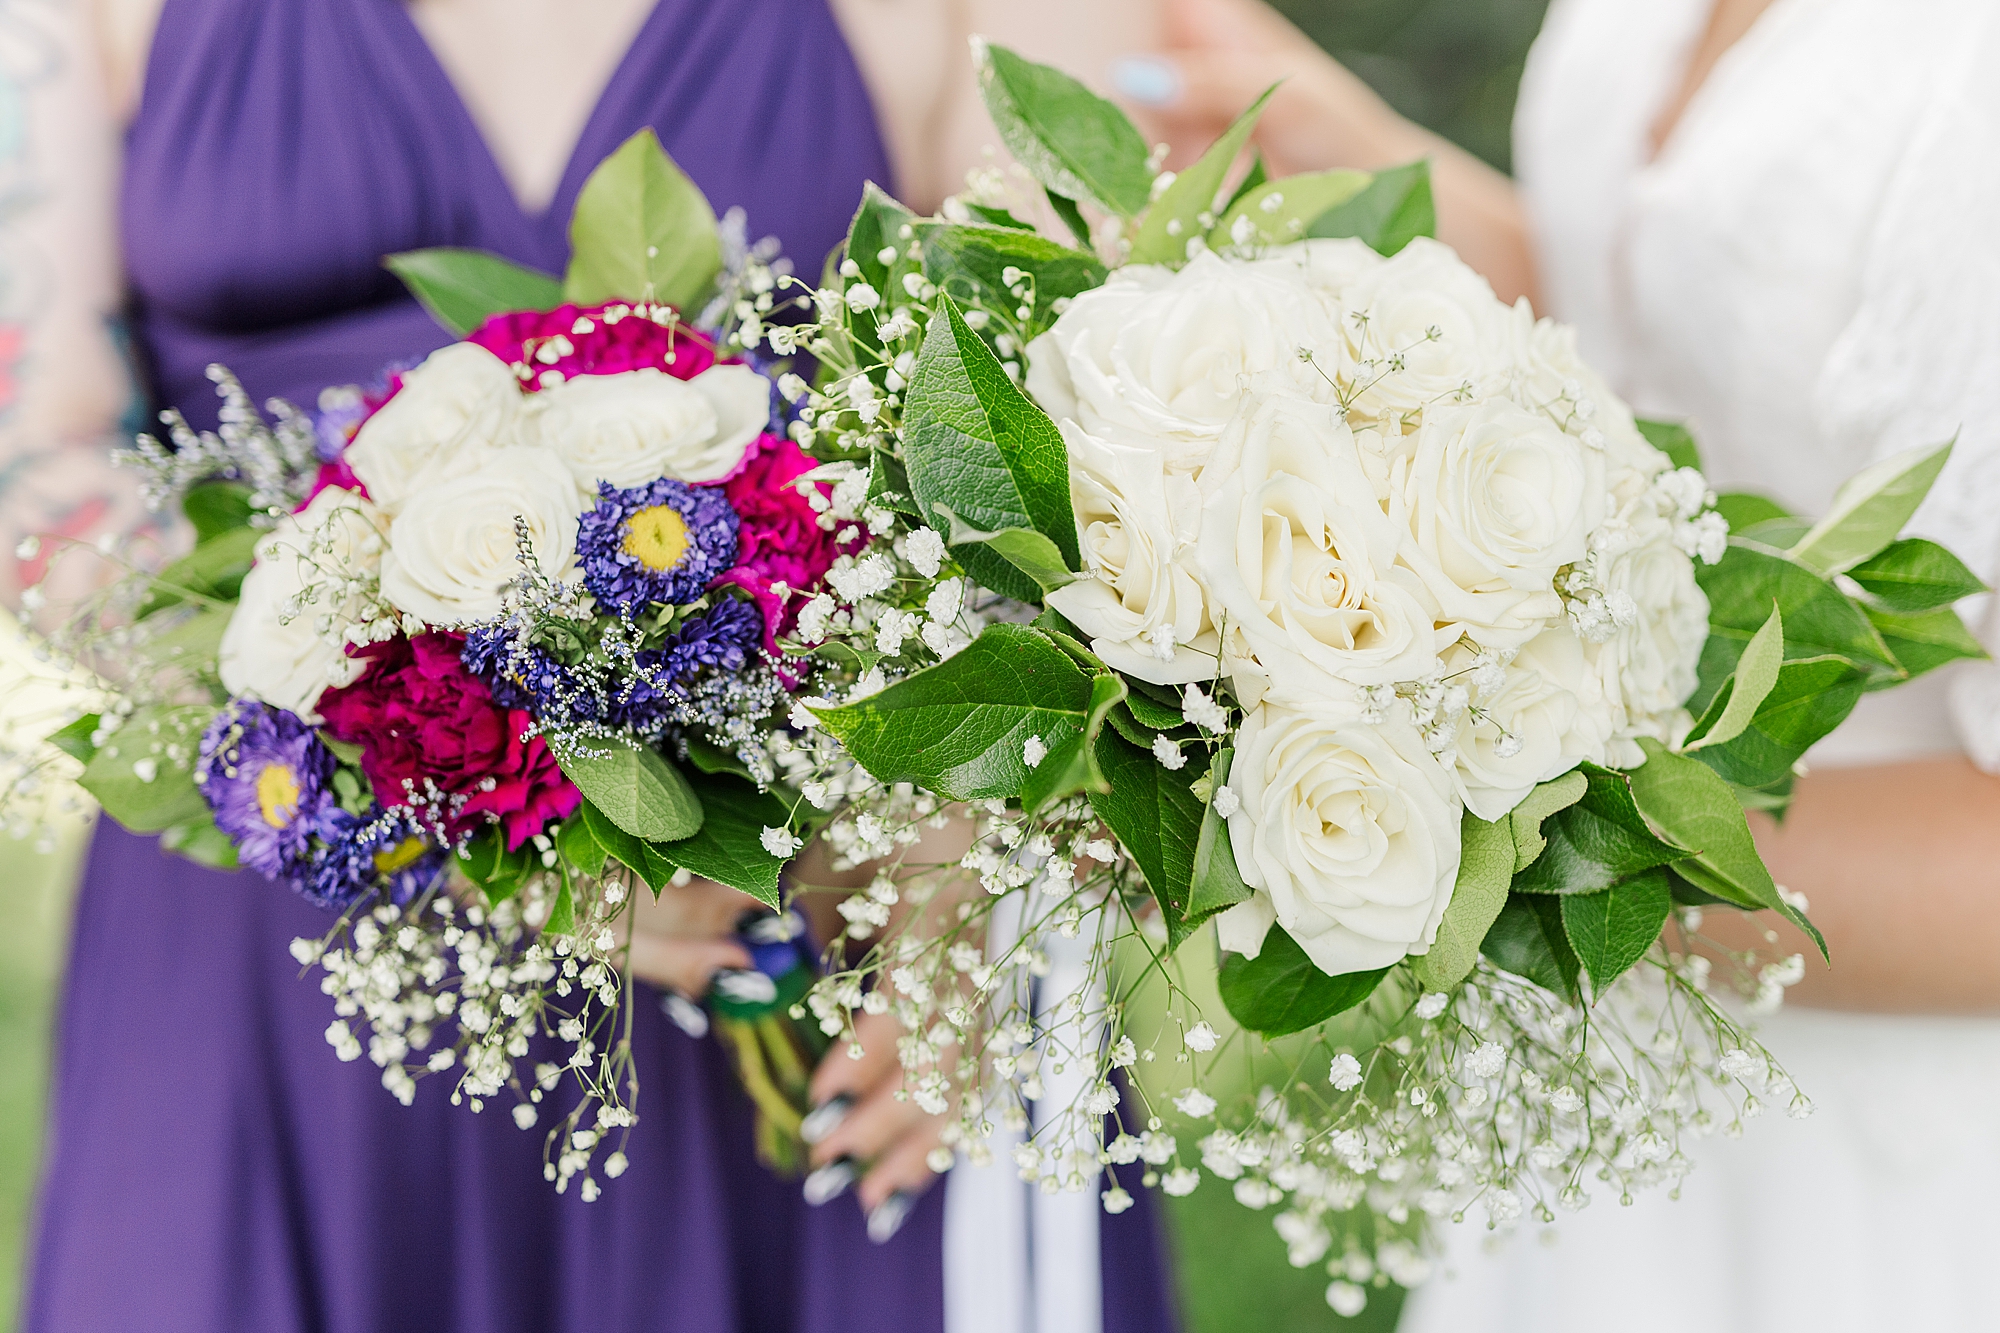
pixel 1422 328
pixel 1498 500
pixel 453 551
pixel 1554 379
pixel 285 643
pixel 1530 728
pixel 1300 559
pixel 1141 605
pixel 639 426
pixel 1348 832
pixel 459 402
pixel 1649 666
pixel 1163 359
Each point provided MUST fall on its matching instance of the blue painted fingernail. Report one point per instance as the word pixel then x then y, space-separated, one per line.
pixel 830 1181
pixel 889 1215
pixel 824 1118
pixel 1148 80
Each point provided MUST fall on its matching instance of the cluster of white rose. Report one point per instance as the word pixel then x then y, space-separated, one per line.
pixel 1425 547
pixel 462 469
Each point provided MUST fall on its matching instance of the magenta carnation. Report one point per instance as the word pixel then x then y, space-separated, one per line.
pixel 779 539
pixel 601 340
pixel 432 739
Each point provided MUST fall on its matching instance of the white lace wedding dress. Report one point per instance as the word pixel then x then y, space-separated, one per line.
pixel 1810 273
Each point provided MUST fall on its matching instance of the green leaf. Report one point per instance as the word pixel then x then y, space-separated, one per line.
pixel 133 776
pixel 1072 767
pixel 1067 137
pixel 1756 672
pixel 1184 212
pixel 1806 702
pixel 875 230
pixel 711 758
pixel 640 791
pixel 1485 867
pixel 997 217
pixel 1214 883
pixel 562 916
pixel 1923 642
pixel 498 872
pixel 976 444
pixel 190 635
pixel 1072 217
pixel 1281 990
pixel 1672 439
pixel 1394 210
pixel 1157 819
pixel 621 846
pixel 1869 509
pixel 1256 177
pixel 1915 575
pixel 1611 931
pixel 578 847
pixel 970 262
pixel 1819 619
pixel 958 728
pixel 1151 710
pixel 1742 511
pixel 74 739
pixel 1596 842
pixel 1279 212
pixel 1688 802
pixel 211 572
pixel 200 841
pixel 1528 939
pixel 1023 548
pixel 462 289
pixel 641 230
pixel 1525 820
pixel 216 507
pixel 730 847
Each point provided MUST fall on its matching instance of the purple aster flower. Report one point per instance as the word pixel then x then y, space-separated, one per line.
pixel 663 542
pixel 264 773
pixel 722 638
pixel 360 852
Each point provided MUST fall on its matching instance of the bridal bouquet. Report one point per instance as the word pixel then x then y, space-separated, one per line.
pixel 1245 562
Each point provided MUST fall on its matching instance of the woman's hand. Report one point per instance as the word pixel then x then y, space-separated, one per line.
pixel 891 1139
pixel 682 937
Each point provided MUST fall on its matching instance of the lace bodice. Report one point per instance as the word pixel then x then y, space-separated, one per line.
pixel 1808 271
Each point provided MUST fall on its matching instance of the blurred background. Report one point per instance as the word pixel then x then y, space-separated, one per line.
pixel 1452 65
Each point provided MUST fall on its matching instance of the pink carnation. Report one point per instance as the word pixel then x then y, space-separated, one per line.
pixel 780 540
pixel 432 738
pixel 601 340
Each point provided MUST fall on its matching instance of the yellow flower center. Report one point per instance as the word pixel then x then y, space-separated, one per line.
pixel 278 794
pixel 391 859
pixel 657 537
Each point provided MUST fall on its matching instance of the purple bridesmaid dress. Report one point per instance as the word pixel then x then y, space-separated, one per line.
pixel 211 1167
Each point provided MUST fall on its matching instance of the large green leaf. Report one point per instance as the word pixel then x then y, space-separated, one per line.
pixel 1923 642
pixel 201 842
pixel 1672 439
pixel 1596 842
pixel 621 846
pixel 1070 139
pixel 1870 509
pixel 1736 703
pixel 1214 884
pixel 641 792
pixel 580 847
pixel 1526 819
pixel 1915 575
pixel 1023 548
pixel 499 873
pixel 1819 619
pixel 463 289
pixel 1394 210
pixel 74 739
pixel 875 231
pixel 1528 939
pixel 1610 931
pixel 959 728
pixel 1688 802
pixel 216 507
pixel 975 444
pixel 729 849
pixel 1281 990
pixel 1072 767
pixel 970 263
pixel 1185 210
pixel 211 572
pixel 1157 819
pixel 1485 867
pixel 1278 212
pixel 1742 510
pixel 1806 702
pixel 135 776
pixel 641 230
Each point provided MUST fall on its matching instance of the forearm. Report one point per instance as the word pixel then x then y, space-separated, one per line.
pixel 1900 864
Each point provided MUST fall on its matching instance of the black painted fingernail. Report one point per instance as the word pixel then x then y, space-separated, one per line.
pixel 830 1181
pixel 888 1216
pixel 824 1118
